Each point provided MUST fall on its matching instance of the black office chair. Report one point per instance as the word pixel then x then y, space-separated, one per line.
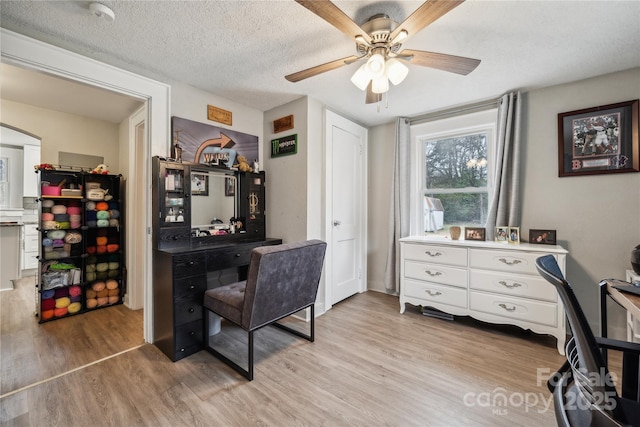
pixel 584 393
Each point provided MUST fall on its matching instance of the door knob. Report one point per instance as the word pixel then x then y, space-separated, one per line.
pixel 336 223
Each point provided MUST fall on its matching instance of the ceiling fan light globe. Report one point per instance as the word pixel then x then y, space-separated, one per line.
pixel 380 85
pixel 375 66
pixel 361 77
pixel 396 71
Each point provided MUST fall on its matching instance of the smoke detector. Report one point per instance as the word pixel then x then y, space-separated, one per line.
pixel 102 11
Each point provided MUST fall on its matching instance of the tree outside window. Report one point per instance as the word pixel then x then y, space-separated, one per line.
pixel 456 173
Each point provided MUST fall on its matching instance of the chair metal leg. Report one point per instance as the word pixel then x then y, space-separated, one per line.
pixel 250 360
pixel 308 337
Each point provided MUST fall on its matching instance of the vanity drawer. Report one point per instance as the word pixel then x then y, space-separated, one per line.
pixel 229 257
pixel 514 308
pixel 434 253
pixel 514 261
pixel 436 273
pixel 191 288
pixel 188 335
pixel 189 265
pixel 186 311
pixel 173 237
pixel 436 293
pixel 519 285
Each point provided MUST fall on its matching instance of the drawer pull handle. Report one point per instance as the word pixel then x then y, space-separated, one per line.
pixel 191 263
pixel 192 287
pixel 237 255
pixel 514 262
pixel 432 293
pixel 433 254
pixel 192 333
pixel 507 308
pixel 182 350
pixel 506 285
pixel 430 273
pixel 191 309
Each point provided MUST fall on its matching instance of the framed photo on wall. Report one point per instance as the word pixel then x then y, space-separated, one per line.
pixel 599 140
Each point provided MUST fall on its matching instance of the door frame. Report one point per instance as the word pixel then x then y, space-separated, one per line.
pixel 29 53
pixel 333 119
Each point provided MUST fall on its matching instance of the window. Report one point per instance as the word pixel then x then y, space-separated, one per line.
pixel 455 172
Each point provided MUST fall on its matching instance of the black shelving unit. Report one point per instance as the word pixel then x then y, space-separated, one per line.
pixel 81 257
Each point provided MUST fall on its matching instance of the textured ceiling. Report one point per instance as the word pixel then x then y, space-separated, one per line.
pixel 241 50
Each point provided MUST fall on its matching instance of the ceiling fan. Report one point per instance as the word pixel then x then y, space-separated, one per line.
pixel 379 41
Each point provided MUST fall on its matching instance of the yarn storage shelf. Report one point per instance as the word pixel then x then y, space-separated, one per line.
pixel 81 260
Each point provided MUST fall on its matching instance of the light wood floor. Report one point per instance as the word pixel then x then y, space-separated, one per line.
pixel 369 366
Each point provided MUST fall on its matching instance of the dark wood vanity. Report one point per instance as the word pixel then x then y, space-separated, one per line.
pixel 207 220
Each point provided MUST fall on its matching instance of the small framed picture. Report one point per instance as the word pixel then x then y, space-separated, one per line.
pixel 229 186
pixel 514 234
pixel 199 184
pixel 475 233
pixel 502 234
pixel 542 237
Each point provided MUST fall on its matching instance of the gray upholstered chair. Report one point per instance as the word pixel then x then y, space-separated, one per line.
pixel 281 280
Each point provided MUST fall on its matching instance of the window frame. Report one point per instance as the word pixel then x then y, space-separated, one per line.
pixel 451 127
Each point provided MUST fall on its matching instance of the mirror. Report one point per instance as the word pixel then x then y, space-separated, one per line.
pixel 213 203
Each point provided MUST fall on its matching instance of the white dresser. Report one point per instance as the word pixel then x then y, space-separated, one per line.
pixel 489 281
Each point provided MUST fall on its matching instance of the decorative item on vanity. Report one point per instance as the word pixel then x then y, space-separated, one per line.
pixel 454 231
pixel 101 169
pixel 635 259
pixel 242 164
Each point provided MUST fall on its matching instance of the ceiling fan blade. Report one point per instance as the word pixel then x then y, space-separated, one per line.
pixel 426 14
pixel 440 61
pixel 334 16
pixel 319 69
pixel 372 97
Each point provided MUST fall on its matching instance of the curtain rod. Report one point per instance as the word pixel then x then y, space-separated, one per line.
pixel 478 106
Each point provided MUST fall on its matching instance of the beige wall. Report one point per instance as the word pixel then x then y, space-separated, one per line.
pixel 65 132
pixel 597 218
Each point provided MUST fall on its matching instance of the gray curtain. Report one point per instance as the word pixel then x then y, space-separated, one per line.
pixel 504 209
pixel 399 214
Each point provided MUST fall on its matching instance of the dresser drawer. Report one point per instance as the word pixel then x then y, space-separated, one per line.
pixel 514 308
pixel 514 261
pixel 431 292
pixel 434 253
pixel 436 273
pixel 519 285
pixel 189 265
pixel 191 288
pixel 187 311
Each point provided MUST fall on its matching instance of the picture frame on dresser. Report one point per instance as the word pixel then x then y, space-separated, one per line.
pixel 502 234
pixel 514 234
pixel 599 140
pixel 542 237
pixel 475 233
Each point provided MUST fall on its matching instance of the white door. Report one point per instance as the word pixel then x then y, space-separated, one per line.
pixel 346 208
pixel 136 202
